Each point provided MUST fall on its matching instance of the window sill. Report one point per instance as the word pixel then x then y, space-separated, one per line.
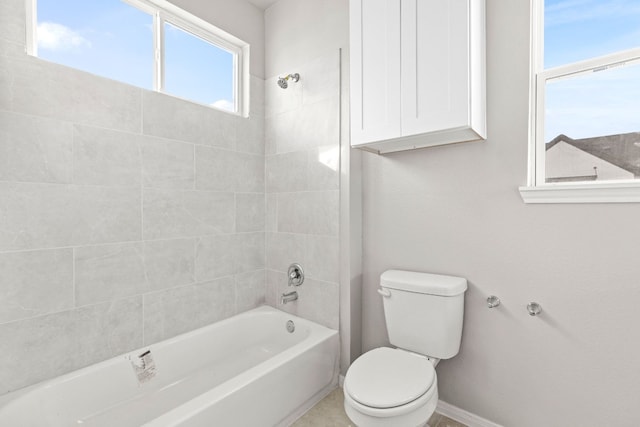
pixel 581 193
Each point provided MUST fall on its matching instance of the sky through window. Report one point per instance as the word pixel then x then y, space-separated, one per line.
pixel 596 104
pixel 113 39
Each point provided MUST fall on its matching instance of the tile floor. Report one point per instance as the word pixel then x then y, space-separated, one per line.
pixel 329 412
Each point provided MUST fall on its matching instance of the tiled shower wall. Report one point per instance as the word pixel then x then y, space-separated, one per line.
pixel 302 135
pixel 126 216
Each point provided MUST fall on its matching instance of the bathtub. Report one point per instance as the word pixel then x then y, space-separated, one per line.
pixel 248 370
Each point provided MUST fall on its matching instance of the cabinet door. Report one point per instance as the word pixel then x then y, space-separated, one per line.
pixel 375 70
pixel 435 65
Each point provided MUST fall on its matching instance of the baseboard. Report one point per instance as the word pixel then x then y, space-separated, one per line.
pixel 462 416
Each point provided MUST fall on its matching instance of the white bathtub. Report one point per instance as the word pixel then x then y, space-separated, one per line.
pixel 247 370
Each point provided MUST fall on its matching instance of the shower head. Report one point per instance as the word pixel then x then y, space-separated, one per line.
pixel 283 81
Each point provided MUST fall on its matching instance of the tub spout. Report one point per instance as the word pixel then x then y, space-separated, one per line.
pixel 288 297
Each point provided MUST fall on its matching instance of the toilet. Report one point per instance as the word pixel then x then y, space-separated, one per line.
pixel 398 387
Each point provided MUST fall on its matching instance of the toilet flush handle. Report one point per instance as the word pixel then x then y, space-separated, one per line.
pixel 385 293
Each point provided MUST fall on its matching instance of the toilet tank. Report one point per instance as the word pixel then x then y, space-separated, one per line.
pixel 424 311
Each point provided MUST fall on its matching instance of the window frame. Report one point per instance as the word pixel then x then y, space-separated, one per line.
pixel 164 12
pixel 537 190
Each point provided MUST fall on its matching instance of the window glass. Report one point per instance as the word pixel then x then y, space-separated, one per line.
pixel 592 126
pixel 576 30
pixel 106 37
pixel 197 70
pixel 591 116
pixel 600 103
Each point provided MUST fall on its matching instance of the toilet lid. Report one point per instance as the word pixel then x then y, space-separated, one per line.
pixel 386 378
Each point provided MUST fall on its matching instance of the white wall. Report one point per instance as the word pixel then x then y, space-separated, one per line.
pixel 456 210
pixel 299 31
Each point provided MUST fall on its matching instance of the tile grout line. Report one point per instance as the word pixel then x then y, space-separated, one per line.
pixel 73 276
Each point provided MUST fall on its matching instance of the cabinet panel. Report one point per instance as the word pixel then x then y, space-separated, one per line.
pixel 435 65
pixel 375 70
pixel 417 73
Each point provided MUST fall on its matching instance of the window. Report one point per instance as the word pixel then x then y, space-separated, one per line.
pixel 585 142
pixel 151 44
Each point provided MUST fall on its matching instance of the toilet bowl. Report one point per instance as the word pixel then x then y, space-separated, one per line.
pixel 398 387
pixel 389 387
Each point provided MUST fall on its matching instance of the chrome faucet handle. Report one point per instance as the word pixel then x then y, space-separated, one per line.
pixel 295 275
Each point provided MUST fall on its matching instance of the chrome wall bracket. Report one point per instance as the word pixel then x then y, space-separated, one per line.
pixel 534 309
pixel 493 301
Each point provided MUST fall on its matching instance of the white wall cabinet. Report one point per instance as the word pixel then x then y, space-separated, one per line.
pixel 417 73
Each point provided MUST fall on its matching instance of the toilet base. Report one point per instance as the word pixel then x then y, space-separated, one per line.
pixel 415 414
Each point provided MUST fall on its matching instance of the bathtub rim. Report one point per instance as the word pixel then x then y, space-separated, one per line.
pixel 8 399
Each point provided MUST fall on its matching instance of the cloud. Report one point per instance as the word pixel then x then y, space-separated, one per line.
pixel 57 37
pixel 224 104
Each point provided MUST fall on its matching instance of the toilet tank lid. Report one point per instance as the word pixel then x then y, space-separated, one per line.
pixel 424 283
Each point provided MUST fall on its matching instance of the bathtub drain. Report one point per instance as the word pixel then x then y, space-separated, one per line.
pixel 291 326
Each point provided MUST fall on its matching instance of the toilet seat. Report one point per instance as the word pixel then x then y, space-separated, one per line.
pixel 387 378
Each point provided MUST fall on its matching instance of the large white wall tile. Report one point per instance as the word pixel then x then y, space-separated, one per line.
pixel 108 329
pixel 318 301
pixel 35 149
pixel 175 311
pixel 108 272
pixel 106 157
pixel 322 78
pixel 44 347
pixel 283 249
pixel 10 49
pixel 287 172
pixel 33 283
pixel 322 258
pixel 224 170
pixel 250 213
pixel 250 290
pixel 218 256
pixel 250 252
pixel 272 287
pixel 167 164
pixel 215 256
pixel 302 146
pixel 50 215
pixel 309 126
pixel 323 172
pixel 173 118
pixel 6 75
pixel 12 20
pixel 216 169
pixel 314 212
pixel 177 213
pixel 278 100
pixel 169 263
pixel 271 212
pixel 50 90
pixel 250 132
pixel 250 173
